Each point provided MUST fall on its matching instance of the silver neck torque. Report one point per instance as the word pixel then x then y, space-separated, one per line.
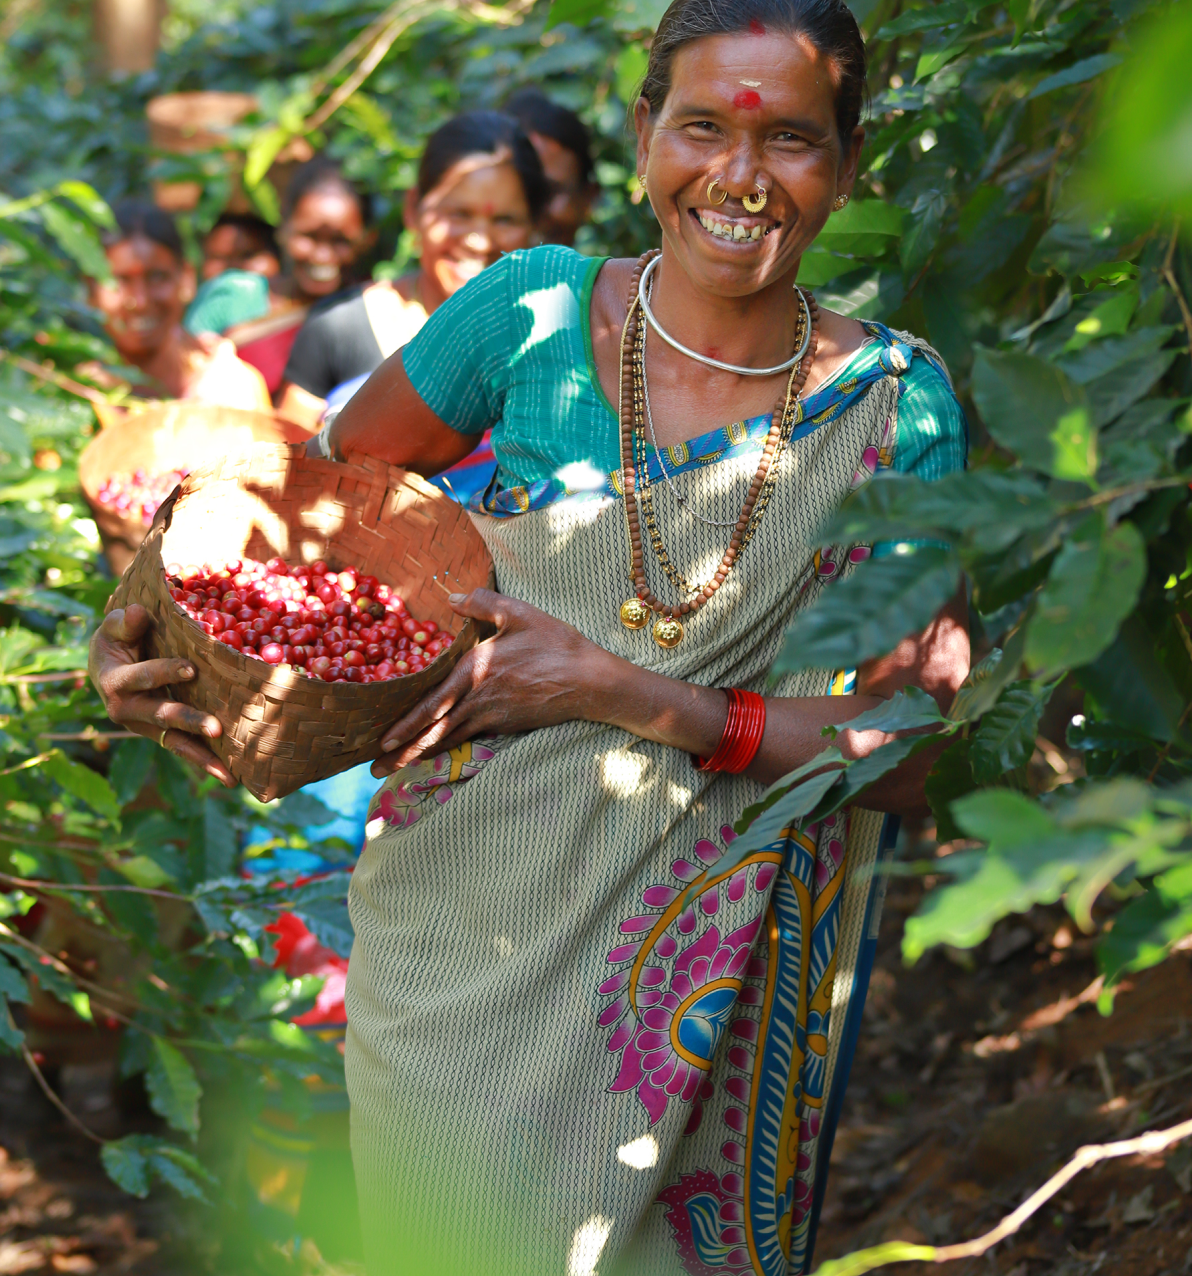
pixel 643 301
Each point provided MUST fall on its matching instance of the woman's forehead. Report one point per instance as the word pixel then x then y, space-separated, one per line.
pixel 486 178
pixel 771 70
pixel 139 252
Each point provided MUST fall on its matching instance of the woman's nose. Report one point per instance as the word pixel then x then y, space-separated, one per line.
pixel 478 241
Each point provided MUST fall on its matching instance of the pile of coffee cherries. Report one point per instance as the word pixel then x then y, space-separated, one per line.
pixel 340 626
pixel 138 495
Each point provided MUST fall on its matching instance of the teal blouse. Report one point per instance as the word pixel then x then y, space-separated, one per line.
pixel 512 352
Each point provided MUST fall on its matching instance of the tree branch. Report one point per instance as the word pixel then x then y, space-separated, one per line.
pixel 50 1094
pixel 866 1260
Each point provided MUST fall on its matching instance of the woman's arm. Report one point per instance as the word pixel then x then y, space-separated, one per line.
pixel 538 671
pixel 388 419
pixel 300 406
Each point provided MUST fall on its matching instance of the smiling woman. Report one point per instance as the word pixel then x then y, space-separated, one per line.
pixel 142 303
pixel 573 1043
pixel 480 190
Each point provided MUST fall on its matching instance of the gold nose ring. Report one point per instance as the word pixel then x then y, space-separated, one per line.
pixel 723 192
pixel 755 203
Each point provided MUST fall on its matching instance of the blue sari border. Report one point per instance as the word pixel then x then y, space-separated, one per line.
pixel 823 406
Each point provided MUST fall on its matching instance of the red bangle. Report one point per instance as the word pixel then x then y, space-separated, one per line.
pixel 742 736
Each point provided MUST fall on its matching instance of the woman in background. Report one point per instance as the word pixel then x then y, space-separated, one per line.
pixel 561 140
pixel 480 192
pixel 142 304
pixel 325 228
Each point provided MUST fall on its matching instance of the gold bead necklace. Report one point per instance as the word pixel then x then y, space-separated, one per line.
pixel 636 612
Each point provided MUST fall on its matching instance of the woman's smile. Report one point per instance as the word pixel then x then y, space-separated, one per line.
pixel 741 232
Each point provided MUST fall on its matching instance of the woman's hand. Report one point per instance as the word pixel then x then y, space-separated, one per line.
pixel 132 692
pixel 535 672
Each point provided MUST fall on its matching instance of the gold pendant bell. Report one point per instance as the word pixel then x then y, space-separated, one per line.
pixel 668 632
pixel 634 614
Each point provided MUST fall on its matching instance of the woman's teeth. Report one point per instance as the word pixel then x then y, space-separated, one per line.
pixel 732 229
pixel 322 273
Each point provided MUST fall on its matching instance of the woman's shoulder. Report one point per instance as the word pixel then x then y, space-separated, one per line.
pixel 932 428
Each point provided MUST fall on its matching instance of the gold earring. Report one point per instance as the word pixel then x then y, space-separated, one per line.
pixel 723 192
pixel 839 202
pixel 755 203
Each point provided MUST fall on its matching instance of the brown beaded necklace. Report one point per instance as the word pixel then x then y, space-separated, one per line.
pixel 636 612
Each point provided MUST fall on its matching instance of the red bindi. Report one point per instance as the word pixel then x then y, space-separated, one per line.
pixel 747 100
pixel 756 27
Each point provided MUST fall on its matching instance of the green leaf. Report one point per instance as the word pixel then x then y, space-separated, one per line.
pixel 266 146
pixel 919 241
pixel 629 70
pixel 174 1090
pixel 1074 444
pixel 993 508
pixel 77 239
pixel 1111 318
pixel 949 779
pixel 1005 739
pixel 986 678
pixel 181 1171
pixel 90 201
pixel 863 227
pixel 132 760
pixel 82 783
pixel 126 1164
pixel 1131 686
pixel 1146 929
pixel 300 810
pixel 1029 860
pixel 220 843
pixel 931 15
pixel 866 771
pixel 49 979
pixel 826 757
pixel 1093 585
pixel 578 12
pixel 330 924
pixel 907 710
pixel 1077 73
pixel 818 266
pixel 1021 399
pixel 868 613
pixel 12 983
pixel 1115 391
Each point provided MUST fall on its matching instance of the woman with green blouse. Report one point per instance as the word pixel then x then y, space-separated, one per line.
pixel 558 1062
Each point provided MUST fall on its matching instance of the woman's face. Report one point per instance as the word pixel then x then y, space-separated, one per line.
pixel 143 304
pixel 743 110
pixel 571 197
pixel 323 236
pixel 477 212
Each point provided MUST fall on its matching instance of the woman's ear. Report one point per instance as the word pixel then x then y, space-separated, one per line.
pixel 186 289
pixel 849 161
pixel 643 125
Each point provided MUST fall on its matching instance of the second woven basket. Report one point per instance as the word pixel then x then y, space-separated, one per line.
pixel 282 728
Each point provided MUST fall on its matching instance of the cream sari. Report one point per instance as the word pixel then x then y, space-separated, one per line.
pixel 552 1068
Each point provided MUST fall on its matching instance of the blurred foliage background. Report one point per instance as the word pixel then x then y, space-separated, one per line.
pixel 1026 185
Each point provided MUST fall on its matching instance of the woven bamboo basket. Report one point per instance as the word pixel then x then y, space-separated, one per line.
pixel 168 436
pixel 282 728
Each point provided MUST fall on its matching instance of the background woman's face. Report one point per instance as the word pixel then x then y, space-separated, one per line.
pixel 744 109
pixel 323 236
pixel 571 197
pixel 476 213
pixel 143 304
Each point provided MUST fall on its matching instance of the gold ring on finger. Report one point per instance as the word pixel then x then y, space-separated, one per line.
pixel 161 739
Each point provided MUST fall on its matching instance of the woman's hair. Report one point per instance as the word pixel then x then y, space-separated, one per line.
pixel 258 231
pixel 139 217
pixel 536 113
pixel 319 174
pixel 828 24
pixel 484 133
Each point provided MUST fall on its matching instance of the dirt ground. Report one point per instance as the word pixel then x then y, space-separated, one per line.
pixel 976 1076
pixel 979 1073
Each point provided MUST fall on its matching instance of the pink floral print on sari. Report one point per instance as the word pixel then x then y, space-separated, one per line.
pixel 400 805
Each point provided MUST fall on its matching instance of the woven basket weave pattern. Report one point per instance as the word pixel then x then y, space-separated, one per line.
pixel 168 436
pixel 283 729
